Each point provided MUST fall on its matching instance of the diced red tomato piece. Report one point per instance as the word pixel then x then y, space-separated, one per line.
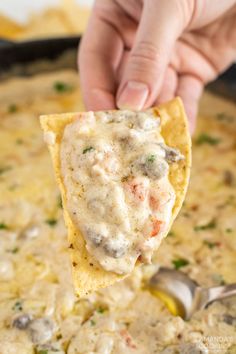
pixel 156 226
pixel 137 189
pixel 154 203
pixel 129 340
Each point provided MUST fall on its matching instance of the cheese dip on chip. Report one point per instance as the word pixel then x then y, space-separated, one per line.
pixel 123 177
pixel 115 169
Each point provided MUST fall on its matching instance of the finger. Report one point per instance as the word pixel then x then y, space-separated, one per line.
pixel 169 86
pixel 190 89
pixel 99 56
pixel 161 23
pixel 123 63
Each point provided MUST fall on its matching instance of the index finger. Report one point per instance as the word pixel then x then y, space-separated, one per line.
pixel 99 57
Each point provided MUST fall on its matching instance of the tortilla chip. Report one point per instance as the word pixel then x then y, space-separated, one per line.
pixel 9 29
pixel 88 275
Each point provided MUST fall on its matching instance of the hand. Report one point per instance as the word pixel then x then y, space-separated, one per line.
pixel 136 53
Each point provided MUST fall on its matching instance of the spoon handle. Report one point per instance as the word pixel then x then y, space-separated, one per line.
pixel 221 292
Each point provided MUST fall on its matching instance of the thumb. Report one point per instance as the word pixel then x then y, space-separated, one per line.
pixel 161 24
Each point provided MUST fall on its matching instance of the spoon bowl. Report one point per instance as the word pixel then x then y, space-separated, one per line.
pixel 182 295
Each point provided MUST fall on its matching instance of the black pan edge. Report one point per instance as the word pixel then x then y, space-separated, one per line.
pixel 47 55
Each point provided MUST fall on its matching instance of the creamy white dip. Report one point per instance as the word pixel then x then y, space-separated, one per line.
pixel 115 169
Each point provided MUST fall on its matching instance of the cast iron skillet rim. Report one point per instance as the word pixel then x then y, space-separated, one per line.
pixel 21 59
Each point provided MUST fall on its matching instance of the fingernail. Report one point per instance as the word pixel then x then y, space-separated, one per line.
pixel 133 96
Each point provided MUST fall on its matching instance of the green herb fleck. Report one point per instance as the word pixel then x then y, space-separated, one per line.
pixel 151 158
pixel 210 244
pixel 59 202
pixel 186 215
pixel 12 108
pixel 221 116
pixel 218 278
pixel 224 116
pixel 171 234
pixel 15 250
pixel 3 226
pixel 19 141
pixel 180 262
pixel 229 230
pixel 60 87
pixel 88 149
pixel 42 351
pixel 4 169
pixel 229 201
pixel 17 306
pixel 92 322
pixel 207 139
pixel 210 225
pixel 101 310
pixel 51 222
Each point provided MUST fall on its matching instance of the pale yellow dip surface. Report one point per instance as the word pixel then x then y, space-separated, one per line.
pixel 35 278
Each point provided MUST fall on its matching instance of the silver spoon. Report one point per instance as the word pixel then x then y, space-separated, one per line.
pixel 183 295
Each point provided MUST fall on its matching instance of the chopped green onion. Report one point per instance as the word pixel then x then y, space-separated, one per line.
pixel 101 310
pixel 15 250
pixel 60 87
pixel 12 108
pixel 3 226
pixel 186 215
pixel 93 323
pixel 88 149
pixel 229 230
pixel 170 234
pixel 218 278
pixel 42 351
pixel 210 244
pixel 180 262
pixel 19 141
pixel 17 306
pixel 4 169
pixel 59 202
pixel 224 116
pixel 51 222
pixel 151 158
pixel 207 139
pixel 210 225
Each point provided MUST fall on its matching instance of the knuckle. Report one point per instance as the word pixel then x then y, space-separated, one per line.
pixel 146 50
pixel 185 10
pixel 148 55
